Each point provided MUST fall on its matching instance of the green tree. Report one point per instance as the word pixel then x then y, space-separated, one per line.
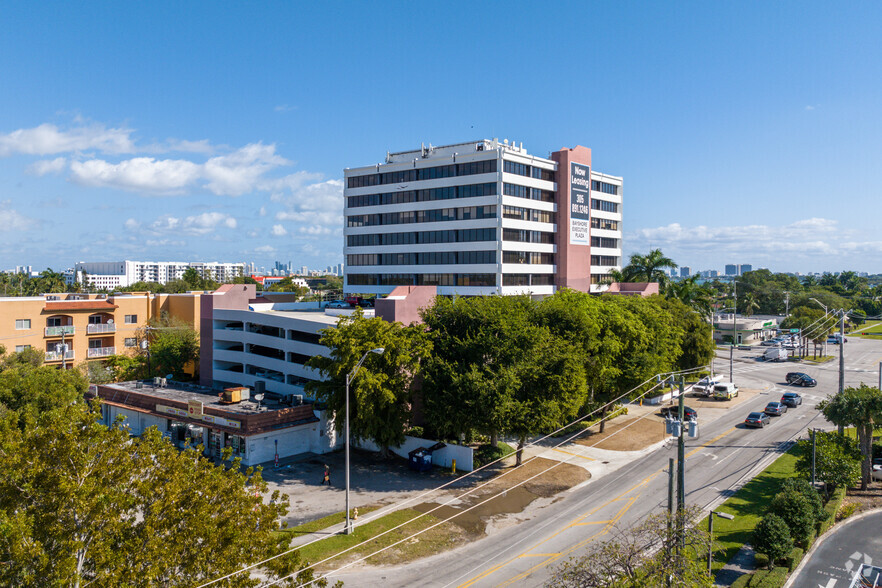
pixel 699 297
pixel 173 348
pixel 862 408
pixel 804 487
pixel 25 387
pixel 772 537
pixel 837 460
pixel 648 268
pixel 696 341
pixel 798 512
pixel 287 285
pixel 382 393
pixel 120 511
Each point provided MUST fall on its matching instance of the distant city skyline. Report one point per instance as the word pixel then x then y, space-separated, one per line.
pixel 226 136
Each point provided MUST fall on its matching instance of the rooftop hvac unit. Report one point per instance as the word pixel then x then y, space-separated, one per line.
pixel 163 383
pixel 297 399
pixel 479 147
pixel 157 381
pixel 139 385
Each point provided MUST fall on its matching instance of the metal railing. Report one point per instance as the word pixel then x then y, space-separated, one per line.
pixel 101 351
pixel 56 355
pixel 101 328
pixel 57 331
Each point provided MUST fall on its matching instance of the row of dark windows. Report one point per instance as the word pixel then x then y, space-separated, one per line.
pixel 527 279
pixel 604 260
pixel 599 186
pixel 422 216
pixel 605 242
pixel 527 214
pixel 600 278
pixel 524 192
pixel 525 170
pixel 524 236
pixel 422 237
pixel 421 279
pixel 604 223
pixel 531 257
pixel 408 196
pixel 421 258
pixel 604 205
pixel 427 173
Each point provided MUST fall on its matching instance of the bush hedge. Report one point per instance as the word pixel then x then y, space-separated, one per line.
pixel 758 577
pixel 794 558
pixel 774 579
pixel 832 507
pixel 760 560
pixel 742 581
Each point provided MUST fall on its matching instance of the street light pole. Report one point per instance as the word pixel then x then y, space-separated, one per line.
pixel 710 531
pixel 349 377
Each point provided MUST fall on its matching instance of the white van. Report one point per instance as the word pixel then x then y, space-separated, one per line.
pixel 776 354
pixel 725 391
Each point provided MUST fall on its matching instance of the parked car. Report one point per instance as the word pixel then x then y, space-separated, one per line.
pixel 725 391
pixel 770 342
pixel 800 379
pixel 338 304
pixel 673 411
pixel 705 386
pixel 791 399
pixel 757 419
pixel 775 408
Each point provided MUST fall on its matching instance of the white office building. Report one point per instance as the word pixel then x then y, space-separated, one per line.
pixel 481 218
pixel 120 274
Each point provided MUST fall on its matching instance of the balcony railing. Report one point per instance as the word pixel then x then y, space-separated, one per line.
pixel 102 328
pixel 56 355
pixel 101 351
pixel 57 331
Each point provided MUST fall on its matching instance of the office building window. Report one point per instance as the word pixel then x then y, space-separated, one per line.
pixel 22 324
pixel 525 236
pixel 428 173
pixel 604 205
pixel 527 214
pixel 604 260
pixel 603 223
pixel 530 257
pixel 604 242
pixel 599 186
pixel 520 169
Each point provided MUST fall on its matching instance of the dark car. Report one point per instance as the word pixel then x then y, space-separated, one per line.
pixel 801 379
pixel 791 399
pixel 775 408
pixel 757 419
pixel 673 412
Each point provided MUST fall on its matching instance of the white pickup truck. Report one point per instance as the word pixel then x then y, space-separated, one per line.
pixel 705 386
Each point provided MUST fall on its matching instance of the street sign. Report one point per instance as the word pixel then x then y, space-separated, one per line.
pixel 794 330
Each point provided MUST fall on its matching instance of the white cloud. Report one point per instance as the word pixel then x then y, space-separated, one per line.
pixel 315 230
pixel 262 211
pixel 163 176
pixel 47 166
pixel 809 107
pixel 239 172
pixel 265 249
pixel 48 139
pixel 132 225
pixel 202 146
pixel 12 220
pixel 199 225
pixel 318 206
pixel 279 231
pixel 284 108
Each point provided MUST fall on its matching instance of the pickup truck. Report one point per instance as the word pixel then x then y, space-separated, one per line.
pixel 705 386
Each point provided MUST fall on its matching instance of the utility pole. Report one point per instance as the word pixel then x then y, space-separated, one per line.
pixel 734 331
pixel 63 351
pixel 786 304
pixel 670 512
pixel 681 471
pixel 814 451
pixel 842 352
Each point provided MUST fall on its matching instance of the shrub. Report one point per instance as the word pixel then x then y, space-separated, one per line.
pixel 772 537
pixel 847 510
pixel 742 581
pixel 794 558
pixel 838 459
pixel 831 508
pixel 760 560
pixel 416 432
pixel 797 512
pixel 758 576
pixel 804 487
pixel 774 579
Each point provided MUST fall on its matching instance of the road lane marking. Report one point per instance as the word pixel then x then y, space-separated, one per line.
pixel 574 454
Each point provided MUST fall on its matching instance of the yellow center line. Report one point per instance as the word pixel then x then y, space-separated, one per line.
pixel 578 522
pixel 574 454
pixel 539 555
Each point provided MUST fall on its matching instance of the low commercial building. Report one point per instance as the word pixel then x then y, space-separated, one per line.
pixel 254 430
pixel 747 330
pixel 73 328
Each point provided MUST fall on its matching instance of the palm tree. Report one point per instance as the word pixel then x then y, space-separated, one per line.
pixel 648 268
pixel 51 281
pixel 699 297
pixel 749 304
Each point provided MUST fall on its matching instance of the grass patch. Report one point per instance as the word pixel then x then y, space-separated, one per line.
pixel 331 520
pixel 440 538
pixel 870 331
pixel 749 505
pixel 822 359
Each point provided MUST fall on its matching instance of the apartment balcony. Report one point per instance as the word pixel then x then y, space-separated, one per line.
pixel 58 331
pixel 95 329
pixel 57 355
pixel 101 352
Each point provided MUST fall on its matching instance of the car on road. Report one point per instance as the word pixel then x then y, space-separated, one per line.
pixel 775 408
pixel 770 343
pixel 757 419
pixel 725 391
pixel 338 304
pixel 705 386
pixel 791 399
pixel 800 379
pixel 673 411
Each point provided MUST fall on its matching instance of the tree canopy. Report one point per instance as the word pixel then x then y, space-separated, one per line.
pixel 861 408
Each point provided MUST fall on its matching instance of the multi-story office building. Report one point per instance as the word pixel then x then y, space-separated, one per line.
pixel 481 218
pixel 685 271
pixel 73 328
pixel 120 274
pixel 744 268
pixel 731 269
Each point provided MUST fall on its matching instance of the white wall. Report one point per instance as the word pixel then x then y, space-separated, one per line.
pixel 463 455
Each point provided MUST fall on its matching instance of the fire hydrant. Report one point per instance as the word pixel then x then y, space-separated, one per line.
pixel 354 514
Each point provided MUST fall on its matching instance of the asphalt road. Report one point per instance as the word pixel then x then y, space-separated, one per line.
pixel 836 560
pixel 721 460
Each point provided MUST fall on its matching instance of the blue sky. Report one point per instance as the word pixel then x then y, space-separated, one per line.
pixel 746 132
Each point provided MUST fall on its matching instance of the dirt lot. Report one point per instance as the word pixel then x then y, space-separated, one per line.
pixel 860 500
pixel 514 500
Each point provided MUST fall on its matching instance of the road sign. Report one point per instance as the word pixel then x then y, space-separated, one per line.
pixel 794 330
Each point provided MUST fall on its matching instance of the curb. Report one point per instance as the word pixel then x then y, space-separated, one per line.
pixel 822 539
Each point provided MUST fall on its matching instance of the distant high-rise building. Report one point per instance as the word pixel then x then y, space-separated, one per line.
pixel 685 271
pixel 744 268
pixel 119 274
pixel 709 273
pixel 304 271
pixel 731 269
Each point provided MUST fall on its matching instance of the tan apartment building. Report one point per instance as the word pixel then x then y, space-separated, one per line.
pixel 92 326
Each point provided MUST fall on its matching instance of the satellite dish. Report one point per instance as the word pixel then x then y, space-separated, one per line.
pixel 258 397
pixel 109 321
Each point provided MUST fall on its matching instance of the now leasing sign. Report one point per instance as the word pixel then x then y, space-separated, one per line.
pixel 580 204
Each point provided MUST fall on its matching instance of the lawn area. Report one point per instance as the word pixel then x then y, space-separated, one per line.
pixel 440 538
pixel 873 331
pixel 819 359
pixel 325 522
pixel 749 505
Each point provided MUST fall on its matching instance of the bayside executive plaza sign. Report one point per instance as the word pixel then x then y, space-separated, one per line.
pixel 580 203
